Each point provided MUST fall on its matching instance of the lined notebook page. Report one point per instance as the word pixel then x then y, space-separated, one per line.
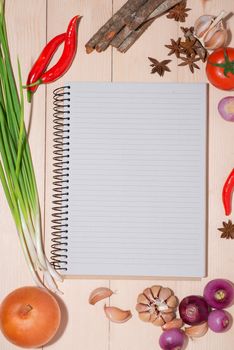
pixel 137 179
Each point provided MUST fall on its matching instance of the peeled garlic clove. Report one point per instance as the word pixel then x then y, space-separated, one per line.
pixel 165 293
pixel 144 316
pixel 176 323
pixel 197 331
pixel 99 294
pixel 142 299
pixel 215 38
pixel 172 301
pixel 155 291
pixel 142 307
pixel 117 315
pixel 202 24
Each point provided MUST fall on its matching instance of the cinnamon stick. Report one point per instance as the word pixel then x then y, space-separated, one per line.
pixel 104 35
pixel 134 35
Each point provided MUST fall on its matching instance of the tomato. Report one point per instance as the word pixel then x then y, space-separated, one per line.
pixel 220 68
pixel 29 317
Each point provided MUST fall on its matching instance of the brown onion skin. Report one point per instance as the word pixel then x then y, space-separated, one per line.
pixel 29 317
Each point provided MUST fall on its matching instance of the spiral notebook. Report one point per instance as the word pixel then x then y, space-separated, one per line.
pixel 130 179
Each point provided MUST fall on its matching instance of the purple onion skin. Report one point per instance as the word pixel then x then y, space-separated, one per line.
pixel 219 321
pixel 219 293
pixel 194 310
pixel 172 339
pixel 225 108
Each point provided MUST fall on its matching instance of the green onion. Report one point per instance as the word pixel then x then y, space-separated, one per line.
pixel 16 169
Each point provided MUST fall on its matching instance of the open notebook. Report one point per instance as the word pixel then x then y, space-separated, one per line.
pixel 135 204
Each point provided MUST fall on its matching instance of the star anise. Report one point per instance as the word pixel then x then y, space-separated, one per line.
pixel 190 61
pixel 159 67
pixel 179 12
pixel 227 230
pixel 175 47
pixel 185 30
pixel 188 47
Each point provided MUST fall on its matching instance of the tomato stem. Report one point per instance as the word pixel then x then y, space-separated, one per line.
pixel 228 66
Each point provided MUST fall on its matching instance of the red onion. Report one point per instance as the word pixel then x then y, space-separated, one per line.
pixel 226 108
pixel 219 321
pixel 172 339
pixel 219 293
pixel 194 310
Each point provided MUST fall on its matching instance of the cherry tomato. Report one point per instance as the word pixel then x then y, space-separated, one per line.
pixel 220 68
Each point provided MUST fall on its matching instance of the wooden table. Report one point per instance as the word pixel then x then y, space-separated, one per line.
pixel 30 24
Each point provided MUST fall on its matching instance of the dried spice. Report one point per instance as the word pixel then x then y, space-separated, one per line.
pixel 227 230
pixel 190 62
pixel 179 12
pixel 175 47
pixel 188 47
pixel 159 67
pixel 157 305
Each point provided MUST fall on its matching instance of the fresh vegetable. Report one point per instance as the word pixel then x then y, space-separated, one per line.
pixel 117 315
pixel 219 321
pixel 42 62
pixel 210 31
pixel 219 293
pixel 194 310
pixel 220 68
pixel 16 169
pixel 226 108
pixel 197 331
pixel 99 294
pixel 29 317
pixel 67 56
pixel 227 193
pixel 172 339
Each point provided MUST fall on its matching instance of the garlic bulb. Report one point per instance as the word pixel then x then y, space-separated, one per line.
pixel 210 31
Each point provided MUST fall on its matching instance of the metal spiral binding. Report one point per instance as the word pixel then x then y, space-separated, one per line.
pixel 61 99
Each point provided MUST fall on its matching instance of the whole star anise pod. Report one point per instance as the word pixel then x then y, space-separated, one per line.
pixel 188 47
pixel 190 61
pixel 227 230
pixel 175 47
pixel 157 305
pixel 159 67
pixel 179 12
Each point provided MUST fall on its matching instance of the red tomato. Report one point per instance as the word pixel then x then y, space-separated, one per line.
pixel 29 317
pixel 220 68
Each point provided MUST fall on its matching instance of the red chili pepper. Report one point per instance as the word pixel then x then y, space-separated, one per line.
pixel 227 193
pixel 67 56
pixel 42 62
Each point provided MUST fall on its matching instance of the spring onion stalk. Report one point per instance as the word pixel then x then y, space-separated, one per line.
pixel 16 169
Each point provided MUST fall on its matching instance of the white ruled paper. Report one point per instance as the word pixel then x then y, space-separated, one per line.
pixel 137 194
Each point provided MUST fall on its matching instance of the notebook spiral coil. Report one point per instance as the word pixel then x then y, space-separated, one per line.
pixel 61 117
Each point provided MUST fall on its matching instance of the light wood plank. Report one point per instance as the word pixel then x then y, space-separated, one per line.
pixel 87 327
pixel 27 33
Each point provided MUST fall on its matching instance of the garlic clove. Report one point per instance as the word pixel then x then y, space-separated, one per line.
pixel 215 38
pixel 159 322
pixel 142 299
pixel 196 331
pixel 148 294
pixel 153 317
pixel 144 316
pixel 167 317
pixel 99 294
pixel 202 24
pixel 172 301
pixel 168 310
pixel 117 315
pixel 176 323
pixel 142 307
pixel 155 291
pixel 165 293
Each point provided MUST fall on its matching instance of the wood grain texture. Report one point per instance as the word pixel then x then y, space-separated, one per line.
pixel 85 326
